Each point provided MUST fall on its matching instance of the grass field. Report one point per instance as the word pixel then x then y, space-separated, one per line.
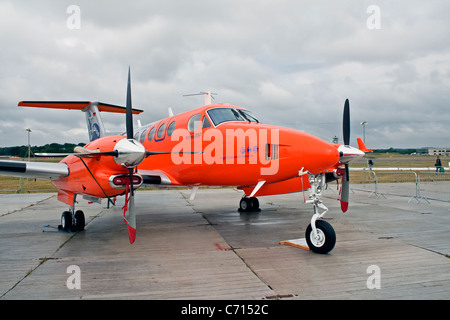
pixel 385 160
pixel 24 185
pixel 401 161
pixel 395 160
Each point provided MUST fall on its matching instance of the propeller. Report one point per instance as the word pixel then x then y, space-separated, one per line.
pixel 345 179
pixel 133 146
pixel 347 154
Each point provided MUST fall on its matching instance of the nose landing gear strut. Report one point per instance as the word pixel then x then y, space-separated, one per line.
pixel 320 235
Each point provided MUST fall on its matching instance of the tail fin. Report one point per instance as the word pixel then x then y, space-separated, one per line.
pixel 94 122
pixel 362 146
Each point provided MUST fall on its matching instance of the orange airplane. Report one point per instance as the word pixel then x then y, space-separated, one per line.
pixel 214 145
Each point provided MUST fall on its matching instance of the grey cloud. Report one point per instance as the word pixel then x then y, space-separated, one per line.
pixel 292 62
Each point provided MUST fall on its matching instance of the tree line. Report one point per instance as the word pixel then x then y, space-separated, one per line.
pixel 397 150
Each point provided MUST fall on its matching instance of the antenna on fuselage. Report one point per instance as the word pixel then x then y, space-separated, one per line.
pixel 208 95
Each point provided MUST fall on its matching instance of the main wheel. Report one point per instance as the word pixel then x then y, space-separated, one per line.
pixel 245 204
pixel 66 220
pixel 324 241
pixel 79 220
pixel 255 203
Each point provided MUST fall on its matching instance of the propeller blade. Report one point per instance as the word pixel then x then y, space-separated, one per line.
pixel 346 123
pixel 80 153
pixel 345 190
pixel 129 109
pixel 96 154
pixel 131 221
pixel 154 153
pixel 345 179
pixel 131 213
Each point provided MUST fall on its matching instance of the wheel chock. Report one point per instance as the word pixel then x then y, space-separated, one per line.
pixel 298 243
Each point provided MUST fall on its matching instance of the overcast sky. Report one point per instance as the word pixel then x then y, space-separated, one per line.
pixel 291 62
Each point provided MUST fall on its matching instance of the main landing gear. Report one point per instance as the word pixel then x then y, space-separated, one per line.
pixel 72 220
pixel 249 204
pixel 320 235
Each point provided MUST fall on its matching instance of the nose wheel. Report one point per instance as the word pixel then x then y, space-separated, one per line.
pixel 320 235
pixel 323 240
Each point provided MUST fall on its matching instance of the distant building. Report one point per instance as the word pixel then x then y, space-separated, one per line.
pixel 439 151
pixel 422 151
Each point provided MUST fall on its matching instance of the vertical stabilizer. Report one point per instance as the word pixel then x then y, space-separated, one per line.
pixel 94 122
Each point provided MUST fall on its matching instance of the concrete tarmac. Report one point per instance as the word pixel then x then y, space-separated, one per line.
pixel 205 249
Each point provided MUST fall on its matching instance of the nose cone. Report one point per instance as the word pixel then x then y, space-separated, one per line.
pixel 319 155
pixel 349 153
pixel 129 153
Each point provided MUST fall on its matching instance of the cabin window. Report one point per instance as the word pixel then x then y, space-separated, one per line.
pixel 161 131
pixel 171 128
pixel 143 135
pixel 205 123
pixel 194 122
pixel 151 134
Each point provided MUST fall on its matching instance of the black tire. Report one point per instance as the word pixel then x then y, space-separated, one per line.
pixel 327 237
pixel 245 205
pixel 66 221
pixel 79 220
pixel 255 203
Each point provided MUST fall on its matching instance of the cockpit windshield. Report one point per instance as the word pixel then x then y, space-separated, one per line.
pixel 220 115
pixel 248 115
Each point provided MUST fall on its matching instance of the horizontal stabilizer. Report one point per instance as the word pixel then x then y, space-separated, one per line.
pixel 38 170
pixel 94 122
pixel 76 105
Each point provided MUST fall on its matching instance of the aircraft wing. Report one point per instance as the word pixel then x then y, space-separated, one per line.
pixel 38 170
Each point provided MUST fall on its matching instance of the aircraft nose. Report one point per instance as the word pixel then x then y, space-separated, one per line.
pixel 320 156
